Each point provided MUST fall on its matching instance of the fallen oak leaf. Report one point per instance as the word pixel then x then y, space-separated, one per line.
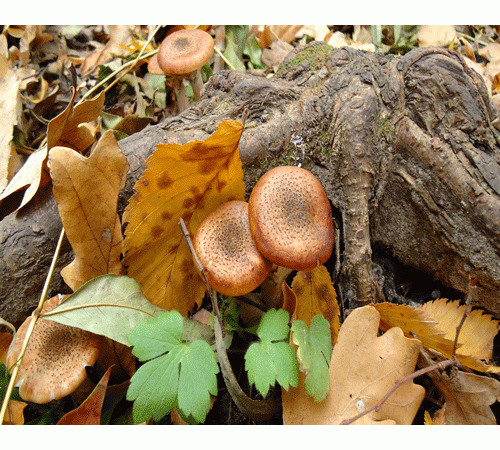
pixel 86 190
pixel 89 412
pixel 181 181
pixel 363 368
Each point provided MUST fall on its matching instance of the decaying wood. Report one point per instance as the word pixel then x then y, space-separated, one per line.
pixel 405 147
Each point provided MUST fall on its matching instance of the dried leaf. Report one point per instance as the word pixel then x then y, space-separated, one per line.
pixel 476 335
pixel 468 397
pixel 10 103
pixel 67 128
pixel 181 181
pixel 363 368
pixel 436 35
pixel 414 321
pixel 89 412
pixel 315 295
pixel 86 190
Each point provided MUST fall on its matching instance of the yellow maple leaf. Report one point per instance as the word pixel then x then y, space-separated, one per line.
pixel 86 190
pixel 181 181
pixel 315 295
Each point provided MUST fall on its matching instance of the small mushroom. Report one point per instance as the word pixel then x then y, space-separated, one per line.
pixel 54 363
pixel 179 57
pixel 225 248
pixel 291 218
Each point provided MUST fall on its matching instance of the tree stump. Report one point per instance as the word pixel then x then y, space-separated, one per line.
pixel 407 148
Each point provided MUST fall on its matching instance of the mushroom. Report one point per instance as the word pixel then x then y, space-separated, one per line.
pixel 291 218
pixel 225 248
pixel 54 363
pixel 179 57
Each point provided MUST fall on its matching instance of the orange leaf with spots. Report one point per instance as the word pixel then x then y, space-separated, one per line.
pixel 315 295
pixel 181 181
pixel 86 190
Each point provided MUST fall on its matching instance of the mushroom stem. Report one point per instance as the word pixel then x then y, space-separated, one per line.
pixel 196 83
pixel 271 286
pixel 180 94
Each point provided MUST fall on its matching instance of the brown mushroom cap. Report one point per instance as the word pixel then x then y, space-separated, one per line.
pixel 54 363
pixel 291 218
pixel 225 247
pixel 185 51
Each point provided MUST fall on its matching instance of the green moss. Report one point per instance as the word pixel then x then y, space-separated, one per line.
pixel 384 128
pixel 315 55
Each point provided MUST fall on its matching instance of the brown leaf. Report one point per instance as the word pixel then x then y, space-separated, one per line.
pixel 363 368
pixel 181 181
pixel 315 295
pixel 67 128
pixel 89 412
pixel 86 190
pixel 468 397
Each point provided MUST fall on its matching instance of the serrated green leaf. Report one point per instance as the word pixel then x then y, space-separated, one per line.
pixel 314 353
pixel 197 381
pixel 154 387
pixel 157 336
pixel 273 326
pixel 183 377
pixel 272 359
pixel 109 305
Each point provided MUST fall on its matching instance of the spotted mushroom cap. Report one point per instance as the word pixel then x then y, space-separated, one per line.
pixel 291 218
pixel 54 363
pixel 225 247
pixel 185 51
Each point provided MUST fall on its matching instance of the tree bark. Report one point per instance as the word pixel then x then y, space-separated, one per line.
pixel 406 148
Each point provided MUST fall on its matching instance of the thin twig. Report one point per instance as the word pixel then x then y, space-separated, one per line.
pixel 468 302
pixel 258 410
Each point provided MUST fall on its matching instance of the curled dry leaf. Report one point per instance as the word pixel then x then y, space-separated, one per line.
pixel 67 130
pixel 468 397
pixel 181 181
pixel 86 190
pixel 363 368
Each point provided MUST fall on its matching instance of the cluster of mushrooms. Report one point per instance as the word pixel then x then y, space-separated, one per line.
pixel 287 223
